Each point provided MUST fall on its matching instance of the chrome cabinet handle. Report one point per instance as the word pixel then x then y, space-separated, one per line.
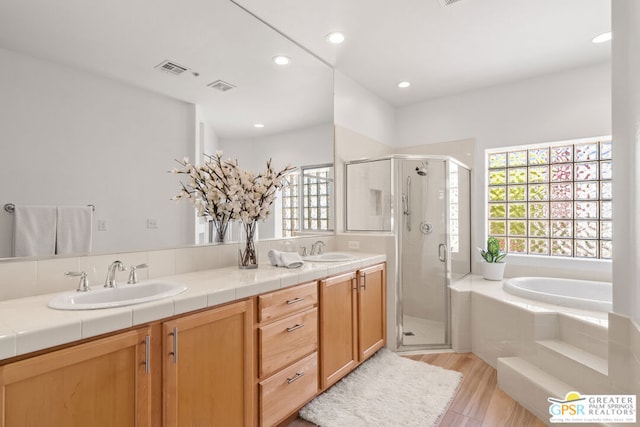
pixel 297 326
pixel 364 281
pixel 174 353
pixel 295 300
pixel 296 377
pixel 147 354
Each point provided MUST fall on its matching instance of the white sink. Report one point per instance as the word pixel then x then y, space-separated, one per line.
pixel 330 257
pixel 116 297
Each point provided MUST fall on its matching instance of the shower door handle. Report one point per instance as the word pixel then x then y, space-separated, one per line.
pixel 442 252
pixel 406 201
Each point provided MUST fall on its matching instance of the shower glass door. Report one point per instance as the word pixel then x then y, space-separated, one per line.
pixel 425 247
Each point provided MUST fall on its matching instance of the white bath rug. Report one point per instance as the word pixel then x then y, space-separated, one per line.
pixel 387 390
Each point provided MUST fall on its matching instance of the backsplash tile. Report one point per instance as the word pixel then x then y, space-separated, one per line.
pixel 162 263
pixel 18 279
pixel 23 278
pixel 50 275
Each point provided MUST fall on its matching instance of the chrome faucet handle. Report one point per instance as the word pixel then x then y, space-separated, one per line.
pixel 133 275
pixel 303 251
pixel 83 285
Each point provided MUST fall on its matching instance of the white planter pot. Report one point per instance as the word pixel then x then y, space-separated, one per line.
pixel 493 270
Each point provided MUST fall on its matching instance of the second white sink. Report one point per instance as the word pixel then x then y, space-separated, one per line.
pixel 330 257
pixel 97 298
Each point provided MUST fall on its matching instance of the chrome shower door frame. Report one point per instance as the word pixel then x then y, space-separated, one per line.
pixel 445 255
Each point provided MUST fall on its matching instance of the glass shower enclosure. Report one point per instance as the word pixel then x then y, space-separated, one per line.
pixel 425 202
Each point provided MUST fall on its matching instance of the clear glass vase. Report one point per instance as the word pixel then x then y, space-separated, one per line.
pixel 218 230
pixel 247 251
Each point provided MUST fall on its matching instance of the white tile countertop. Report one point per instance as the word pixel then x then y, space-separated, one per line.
pixel 28 324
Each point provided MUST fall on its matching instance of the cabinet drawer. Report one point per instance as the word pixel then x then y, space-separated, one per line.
pixel 287 340
pixel 282 303
pixel 287 391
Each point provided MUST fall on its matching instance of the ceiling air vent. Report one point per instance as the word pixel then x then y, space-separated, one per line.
pixel 445 3
pixel 221 85
pixel 171 68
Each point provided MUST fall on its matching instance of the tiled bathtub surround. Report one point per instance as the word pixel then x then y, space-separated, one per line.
pixel 23 277
pixel 541 350
pixel 624 354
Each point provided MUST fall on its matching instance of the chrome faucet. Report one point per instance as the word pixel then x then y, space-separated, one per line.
pixel 316 248
pixel 110 281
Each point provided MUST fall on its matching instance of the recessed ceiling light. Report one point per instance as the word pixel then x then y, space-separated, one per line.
pixel 258 125
pixel 335 37
pixel 282 60
pixel 403 85
pixel 604 37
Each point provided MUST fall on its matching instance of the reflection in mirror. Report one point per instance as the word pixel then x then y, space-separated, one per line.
pixel 306 202
pixel 317 198
pixel 86 118
pixel 368 206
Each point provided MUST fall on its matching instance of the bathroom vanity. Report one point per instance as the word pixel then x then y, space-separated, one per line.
pixel 238 348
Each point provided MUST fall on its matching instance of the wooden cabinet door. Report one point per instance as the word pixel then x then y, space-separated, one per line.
pixel 208 368
pixel 372 311
pixel 338 328
pixel 100 383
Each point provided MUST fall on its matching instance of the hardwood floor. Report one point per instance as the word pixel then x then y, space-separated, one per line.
pixel 478 402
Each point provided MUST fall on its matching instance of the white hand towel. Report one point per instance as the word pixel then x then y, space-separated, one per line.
pixel 285 259
pixel 274 257
pixel 291 260
pixel 34 230
pixel 74 226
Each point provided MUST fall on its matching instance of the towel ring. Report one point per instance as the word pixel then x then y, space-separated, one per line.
pixel 11 208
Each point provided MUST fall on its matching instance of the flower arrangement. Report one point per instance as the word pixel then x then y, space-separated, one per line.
pixel 212 189
pixel 222 191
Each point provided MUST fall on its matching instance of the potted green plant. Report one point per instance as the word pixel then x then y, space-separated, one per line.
pixel 493 265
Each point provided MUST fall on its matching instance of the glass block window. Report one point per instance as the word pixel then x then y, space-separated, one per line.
pixel 306 200
pixel 454 203
pixel 552 200
pixel 290 194
pixel 317 189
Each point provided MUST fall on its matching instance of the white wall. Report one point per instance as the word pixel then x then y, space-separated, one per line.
pixel 361 111
pixel 567 105
pixel 301 147
pixel 68 137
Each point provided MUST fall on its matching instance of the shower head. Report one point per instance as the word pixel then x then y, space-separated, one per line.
pixel 422 169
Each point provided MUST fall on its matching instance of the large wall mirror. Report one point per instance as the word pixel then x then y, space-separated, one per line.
pixel 91 112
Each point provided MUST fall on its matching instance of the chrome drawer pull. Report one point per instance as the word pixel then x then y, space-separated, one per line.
pixel 174 353
pixel 147 354
pixel 295 300
pixel 297 326
pixel 296 377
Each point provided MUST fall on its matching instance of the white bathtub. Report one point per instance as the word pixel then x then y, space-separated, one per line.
pixel 583 294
